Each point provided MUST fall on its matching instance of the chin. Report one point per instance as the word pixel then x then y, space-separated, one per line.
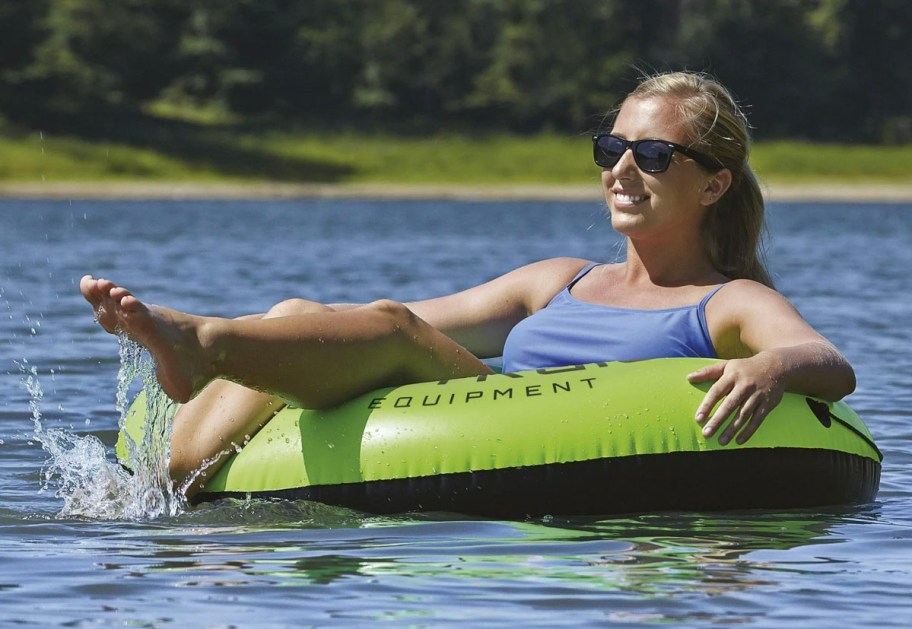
pixel 624 223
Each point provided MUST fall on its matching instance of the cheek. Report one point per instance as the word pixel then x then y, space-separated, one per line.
pixel 683 190
pixel 697 192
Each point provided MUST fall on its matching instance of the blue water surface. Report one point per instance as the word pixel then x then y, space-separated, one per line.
pixel 71 554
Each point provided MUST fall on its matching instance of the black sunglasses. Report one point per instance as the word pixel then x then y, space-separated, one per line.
pixel 651 156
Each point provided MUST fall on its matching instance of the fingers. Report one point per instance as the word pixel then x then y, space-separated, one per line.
pixel 743 415
pixel 750 424
pixel 739 397
pixel 710 372
pixel 720 393
pixel 715 393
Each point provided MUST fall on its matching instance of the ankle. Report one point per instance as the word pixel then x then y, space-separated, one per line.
pixel 211 335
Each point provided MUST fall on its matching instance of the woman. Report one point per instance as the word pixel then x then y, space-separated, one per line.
pixel 679 188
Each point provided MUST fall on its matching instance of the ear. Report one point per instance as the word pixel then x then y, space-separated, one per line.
pixel 716 185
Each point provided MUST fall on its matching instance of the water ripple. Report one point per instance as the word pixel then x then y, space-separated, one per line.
pixel 275 564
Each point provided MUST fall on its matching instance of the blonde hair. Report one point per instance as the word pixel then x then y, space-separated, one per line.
pixel 734 228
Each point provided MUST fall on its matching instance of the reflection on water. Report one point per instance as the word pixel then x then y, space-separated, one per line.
pixel 688 566
pixel 652 554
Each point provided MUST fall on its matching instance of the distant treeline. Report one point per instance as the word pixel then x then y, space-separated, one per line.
pixel 833 70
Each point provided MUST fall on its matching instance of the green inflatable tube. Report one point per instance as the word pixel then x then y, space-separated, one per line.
pixel 603 438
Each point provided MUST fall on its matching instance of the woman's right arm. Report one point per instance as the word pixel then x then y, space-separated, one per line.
pixel 480 318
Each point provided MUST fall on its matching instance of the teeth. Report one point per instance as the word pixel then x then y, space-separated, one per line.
pixel 629 198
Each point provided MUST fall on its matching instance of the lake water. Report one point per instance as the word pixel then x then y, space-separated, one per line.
pixel 73 556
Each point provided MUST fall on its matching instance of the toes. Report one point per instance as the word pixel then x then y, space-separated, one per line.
pixel 105 286
pixel 88 286
pixel 97 291
pixel 129 303
pixel 117 294
pixel 109 301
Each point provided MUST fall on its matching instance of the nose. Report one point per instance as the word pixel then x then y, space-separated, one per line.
pixel 626 165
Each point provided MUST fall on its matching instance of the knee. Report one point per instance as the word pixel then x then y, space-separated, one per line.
pixel 399 317
pixel 182 465
pixel 408 338
pixel 290 307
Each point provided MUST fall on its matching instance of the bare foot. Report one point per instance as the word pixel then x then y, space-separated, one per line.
pixel 97 292
pixel 172 337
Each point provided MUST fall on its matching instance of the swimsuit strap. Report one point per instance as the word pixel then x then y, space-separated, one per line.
pixel 580 275
pixel 709 295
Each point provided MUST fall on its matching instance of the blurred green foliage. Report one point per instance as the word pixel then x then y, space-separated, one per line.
pixel 832 70
pixel 219 154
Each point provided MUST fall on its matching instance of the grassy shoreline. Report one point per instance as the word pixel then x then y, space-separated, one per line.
pixel 222 162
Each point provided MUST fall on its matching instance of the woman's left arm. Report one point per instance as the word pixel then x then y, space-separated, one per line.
pixel 767 349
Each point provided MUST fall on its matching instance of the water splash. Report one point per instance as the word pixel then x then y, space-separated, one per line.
pixel 78 469
pixel 149 459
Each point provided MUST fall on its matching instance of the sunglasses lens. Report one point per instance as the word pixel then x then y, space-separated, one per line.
pixel 653 157
pixel 608 150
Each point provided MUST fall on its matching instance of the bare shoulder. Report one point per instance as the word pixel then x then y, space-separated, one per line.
pixel 543 279
pixel 556 266
pixel 508 297
pixel 746 296
pixel 746 317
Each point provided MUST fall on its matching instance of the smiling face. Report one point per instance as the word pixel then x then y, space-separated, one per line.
pixel 672 203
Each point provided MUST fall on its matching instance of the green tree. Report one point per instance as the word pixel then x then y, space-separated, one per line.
pixel 22 27
pixel 816 69
pixel 101 52
pixel 516 64
pixel 873 41
pixel 770 55
pixel 284 57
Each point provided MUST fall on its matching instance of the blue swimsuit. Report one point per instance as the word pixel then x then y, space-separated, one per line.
pixel 572 332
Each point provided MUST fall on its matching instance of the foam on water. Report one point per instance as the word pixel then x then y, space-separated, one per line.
pixel 78 469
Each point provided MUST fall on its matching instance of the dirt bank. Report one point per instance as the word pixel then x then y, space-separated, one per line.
pixel 271 190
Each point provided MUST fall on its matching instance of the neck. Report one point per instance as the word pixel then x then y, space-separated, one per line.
pixel 669 264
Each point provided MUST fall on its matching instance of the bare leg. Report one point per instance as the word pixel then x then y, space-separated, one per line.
pixel 223 415
pixel 316 359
